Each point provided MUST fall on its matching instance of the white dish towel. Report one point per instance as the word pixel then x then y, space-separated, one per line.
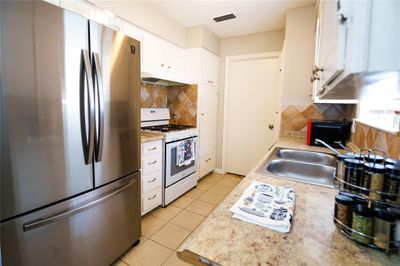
pixel 185 152
pixel 266 205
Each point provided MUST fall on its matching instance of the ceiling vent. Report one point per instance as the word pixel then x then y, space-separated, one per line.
pixel 224 17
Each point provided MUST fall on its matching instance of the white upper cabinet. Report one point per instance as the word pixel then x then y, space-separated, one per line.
pixel 353 38
pixel 209 68
pixel 205 70
pixel 161 58
pixel 174 59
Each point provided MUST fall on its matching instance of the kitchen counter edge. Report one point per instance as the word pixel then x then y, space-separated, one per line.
pixel 313 239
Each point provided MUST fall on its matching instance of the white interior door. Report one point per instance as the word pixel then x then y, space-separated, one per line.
pixel 251 109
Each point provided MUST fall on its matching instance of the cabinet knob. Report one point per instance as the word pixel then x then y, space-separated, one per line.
pixel 341 18
pixel 162 65
pixel 169 67
pixel 316 69
pixel 314 78
pixel 271 126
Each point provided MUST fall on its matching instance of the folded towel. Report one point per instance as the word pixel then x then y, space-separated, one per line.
pixel 185 152
pixel 266 205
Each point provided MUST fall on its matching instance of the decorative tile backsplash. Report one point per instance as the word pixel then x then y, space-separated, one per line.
pixel 153 96
pixel 368 137
pixel 182 104
pixel 181 101
pixel 294 118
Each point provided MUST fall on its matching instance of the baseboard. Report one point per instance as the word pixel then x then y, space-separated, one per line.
pixel 219 171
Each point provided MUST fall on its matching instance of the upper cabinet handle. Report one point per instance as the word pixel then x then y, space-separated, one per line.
pixel 316 69
pixel 152 149
pixel 341 18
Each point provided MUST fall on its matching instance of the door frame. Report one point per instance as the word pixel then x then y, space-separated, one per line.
pixel 228 61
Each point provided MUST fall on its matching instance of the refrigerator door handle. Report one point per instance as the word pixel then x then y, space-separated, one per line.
pixel 87 137
pixel 98 83
pixel 44 221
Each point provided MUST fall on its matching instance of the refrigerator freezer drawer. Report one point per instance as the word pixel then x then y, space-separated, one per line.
pixel 92 229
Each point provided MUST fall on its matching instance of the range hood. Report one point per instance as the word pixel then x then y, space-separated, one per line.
pixel 163 80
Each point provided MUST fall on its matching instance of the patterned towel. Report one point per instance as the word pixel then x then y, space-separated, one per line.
pixel 266 205
pixel 185 152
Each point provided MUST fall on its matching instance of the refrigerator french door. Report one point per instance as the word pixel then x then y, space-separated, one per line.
pixel 70 125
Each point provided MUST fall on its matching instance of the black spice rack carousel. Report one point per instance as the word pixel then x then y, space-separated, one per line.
pixel 379 199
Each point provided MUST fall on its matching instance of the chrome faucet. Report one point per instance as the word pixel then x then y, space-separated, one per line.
pixel 328 146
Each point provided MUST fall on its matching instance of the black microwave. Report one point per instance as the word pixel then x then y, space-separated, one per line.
pixel 329 131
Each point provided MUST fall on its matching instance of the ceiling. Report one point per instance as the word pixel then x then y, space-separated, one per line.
pixel 251 16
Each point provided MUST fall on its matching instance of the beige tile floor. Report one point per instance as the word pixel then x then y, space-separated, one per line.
pixel 165 229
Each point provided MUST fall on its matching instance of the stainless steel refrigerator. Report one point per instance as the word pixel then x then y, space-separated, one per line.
pixel 70 138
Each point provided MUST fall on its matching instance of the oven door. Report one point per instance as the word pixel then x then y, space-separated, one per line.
pixel 173 172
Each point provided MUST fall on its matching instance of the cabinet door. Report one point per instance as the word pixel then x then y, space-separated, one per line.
pixel 209 69
pixel 208 119
pixel 153 52
pixel 207 164
pixel 174 59
pixel 328 44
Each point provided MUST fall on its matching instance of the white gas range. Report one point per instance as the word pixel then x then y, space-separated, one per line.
pixel 180 152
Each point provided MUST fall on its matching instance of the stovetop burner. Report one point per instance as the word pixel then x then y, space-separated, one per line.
pixel 167 128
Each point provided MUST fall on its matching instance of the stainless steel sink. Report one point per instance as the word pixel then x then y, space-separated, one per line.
pixel 299 165
pixel 307 156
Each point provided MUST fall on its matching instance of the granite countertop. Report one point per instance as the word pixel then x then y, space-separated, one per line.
pixel 313 239
pixel 150 136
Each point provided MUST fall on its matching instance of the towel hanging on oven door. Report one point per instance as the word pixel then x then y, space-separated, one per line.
pixel 185 152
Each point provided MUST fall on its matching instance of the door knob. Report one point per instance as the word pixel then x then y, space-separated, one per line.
pixel 271 126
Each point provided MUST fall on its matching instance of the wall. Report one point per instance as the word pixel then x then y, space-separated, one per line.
pixel 248 44
pixel 294 118
pixel 142 15
pixel 296 103
pixel 200 36
pixel 368 137
pixel 181 101
pixel 298 56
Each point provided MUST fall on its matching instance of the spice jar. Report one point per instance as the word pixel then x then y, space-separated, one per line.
pixel 373 179
pixel 357 199
pixel 373 158
pixel 340 167
pixel 353 173
pixel 362 222
pixel 389 161
pixel 396 236
pixel 343 210
pixel 392 183
pixel 384 226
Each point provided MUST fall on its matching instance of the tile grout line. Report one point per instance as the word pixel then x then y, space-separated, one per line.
pixel 185 209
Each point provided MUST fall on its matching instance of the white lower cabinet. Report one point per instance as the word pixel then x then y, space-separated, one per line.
pixel 207 164
pixel 151 175
pixel 151 200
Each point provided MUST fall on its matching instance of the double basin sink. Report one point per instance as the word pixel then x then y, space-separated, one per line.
pixel 298 165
